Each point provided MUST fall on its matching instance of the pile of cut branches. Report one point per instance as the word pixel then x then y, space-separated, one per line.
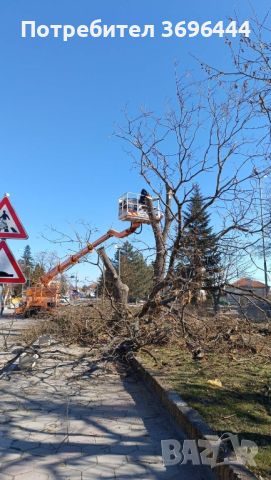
pixel 95 326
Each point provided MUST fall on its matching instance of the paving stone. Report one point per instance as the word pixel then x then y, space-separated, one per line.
pixel 52 428
pixel 145 459
pixel 33 475
pixel 131 471
pixel 67 474
pixel 9 456
pixel 82 439
pixel 93 450
pixel 5 443
pixel 99 472
pixel 43 450
pixel 24 445
pixel 124 448
pixel 111 460
pixel 41 437
pixel 3 418
pixel 81 462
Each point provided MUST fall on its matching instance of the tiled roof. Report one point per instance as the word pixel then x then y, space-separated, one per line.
pixel 248 283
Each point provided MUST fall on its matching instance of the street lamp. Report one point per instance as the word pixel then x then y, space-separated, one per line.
pixel 76 279
pixel 255 171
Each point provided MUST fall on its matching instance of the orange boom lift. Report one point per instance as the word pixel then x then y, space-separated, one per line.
pixel 45 294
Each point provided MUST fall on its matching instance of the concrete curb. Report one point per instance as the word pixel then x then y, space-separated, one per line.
pixel 190 420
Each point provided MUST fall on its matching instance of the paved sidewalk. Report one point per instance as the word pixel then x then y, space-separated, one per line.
pixel 62 421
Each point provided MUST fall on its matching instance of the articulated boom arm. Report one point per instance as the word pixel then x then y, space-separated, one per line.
pixel 45 279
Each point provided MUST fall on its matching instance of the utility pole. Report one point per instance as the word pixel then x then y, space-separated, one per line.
pixel 103 296
pixel 263 233
pixel 75 277
pixel 119 262
pixel 118 246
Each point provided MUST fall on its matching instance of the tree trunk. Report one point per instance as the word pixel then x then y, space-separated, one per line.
pixel 216 294
pixel 161 252
pixel 120 290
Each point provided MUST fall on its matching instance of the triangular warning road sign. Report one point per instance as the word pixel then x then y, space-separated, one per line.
pixel 10 225
pixel 10 271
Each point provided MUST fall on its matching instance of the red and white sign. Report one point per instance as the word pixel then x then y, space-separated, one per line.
pixel 10 224
pixel 10 272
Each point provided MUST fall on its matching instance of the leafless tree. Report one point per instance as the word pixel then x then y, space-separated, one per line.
pixel 250 73
pixel 47 259
pixel 250 69
pixel 207 136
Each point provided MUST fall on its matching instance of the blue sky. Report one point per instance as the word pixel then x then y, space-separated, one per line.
pixel 60 103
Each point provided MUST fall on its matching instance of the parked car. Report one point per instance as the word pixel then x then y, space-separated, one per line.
pixel 64 301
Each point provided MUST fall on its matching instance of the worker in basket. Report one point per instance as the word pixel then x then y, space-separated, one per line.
pixel 143 195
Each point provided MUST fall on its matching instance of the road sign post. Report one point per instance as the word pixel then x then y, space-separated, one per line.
pixel 10 228
pixel 1 300
pixel 10 225
pixel 10 271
